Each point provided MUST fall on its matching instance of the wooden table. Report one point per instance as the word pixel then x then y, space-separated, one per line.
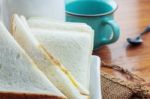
pixel 132 16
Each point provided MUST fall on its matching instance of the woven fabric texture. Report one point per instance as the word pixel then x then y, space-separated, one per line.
pixel 114 88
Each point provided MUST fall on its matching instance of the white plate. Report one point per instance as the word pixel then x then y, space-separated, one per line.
pixel 95 82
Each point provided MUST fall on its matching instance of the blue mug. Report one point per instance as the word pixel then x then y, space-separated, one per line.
pixel 99 15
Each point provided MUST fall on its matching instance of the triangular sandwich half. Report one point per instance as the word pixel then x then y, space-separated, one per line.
pixel 71 43
pixel 46 62
pixel 19 76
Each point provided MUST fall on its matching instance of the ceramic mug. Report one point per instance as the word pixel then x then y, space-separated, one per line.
pixel 99 15
pixel 52 9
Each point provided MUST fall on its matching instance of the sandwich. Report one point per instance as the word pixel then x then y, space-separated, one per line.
pixel 19 76
pixel 71 43
pixel 46 62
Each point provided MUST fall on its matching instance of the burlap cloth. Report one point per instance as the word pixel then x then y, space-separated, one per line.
pixel 114 88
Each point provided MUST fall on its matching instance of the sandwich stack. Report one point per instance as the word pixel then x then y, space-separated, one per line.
pixel 48 61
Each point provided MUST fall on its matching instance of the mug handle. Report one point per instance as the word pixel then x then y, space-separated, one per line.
pixel 116 31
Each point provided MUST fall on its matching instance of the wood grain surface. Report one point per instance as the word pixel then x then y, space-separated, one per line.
pixel 132 16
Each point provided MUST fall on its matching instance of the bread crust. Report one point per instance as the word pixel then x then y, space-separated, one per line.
pixel 17 95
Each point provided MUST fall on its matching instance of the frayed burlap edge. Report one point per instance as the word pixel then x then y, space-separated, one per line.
pixel 115 88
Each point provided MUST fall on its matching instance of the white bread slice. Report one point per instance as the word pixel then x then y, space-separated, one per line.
pixel 38 22
pixel 71 43
pixel 19 76
pixel 71 49
pixel 52 68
